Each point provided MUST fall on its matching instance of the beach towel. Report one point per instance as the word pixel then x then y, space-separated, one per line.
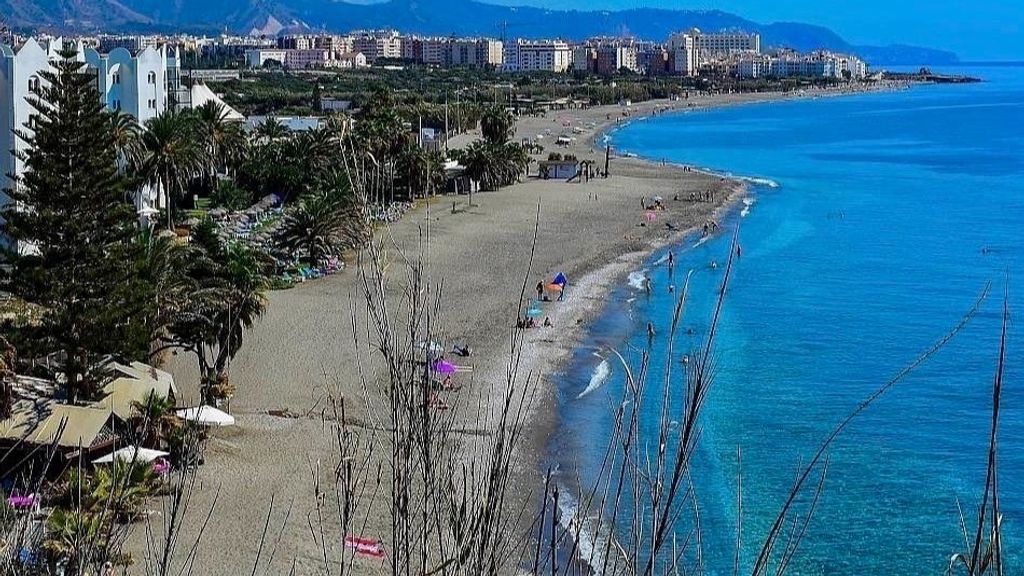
pixel 365 546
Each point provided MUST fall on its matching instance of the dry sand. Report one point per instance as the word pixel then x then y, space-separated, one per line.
pixel 305 343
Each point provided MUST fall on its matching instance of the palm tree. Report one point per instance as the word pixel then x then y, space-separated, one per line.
pixel 156 419
pixel 421 170
pixel 171 156
pixel 322 225
pixel 127 138
pixel 497 125
pixel 270 130
pixel 244 301
pixel 222 137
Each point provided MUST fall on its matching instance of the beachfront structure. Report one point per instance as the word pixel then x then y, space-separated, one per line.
pixel 690 50
pixel 815 65
pixel 538 56
pixel 142 84
pixel 38 419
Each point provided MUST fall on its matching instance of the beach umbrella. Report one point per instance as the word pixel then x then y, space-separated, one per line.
pixel 444 367
pixel 560 279
pixel 651 216
pixel 207 416
pixel 658 198
pixel 554 287
pixel 131 454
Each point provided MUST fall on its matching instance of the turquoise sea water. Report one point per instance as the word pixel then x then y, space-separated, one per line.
pixel 891 213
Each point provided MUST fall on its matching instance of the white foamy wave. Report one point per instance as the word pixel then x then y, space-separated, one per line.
pixel 600 374
pixel 636 279
pixel 702 241
pixel 661 260
pixel 747 203
pixel 584 530
pixel 760 181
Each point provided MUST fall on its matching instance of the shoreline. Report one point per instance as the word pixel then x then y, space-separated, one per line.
pixel 595 232
pixel 603 279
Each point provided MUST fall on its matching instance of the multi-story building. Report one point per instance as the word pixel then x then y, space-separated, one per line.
pixel 539 56
pixel 295 42
pixel 584 59
pixel 307 58
pixel 613 58
pixel 682 57
pixel 106 44
pixel 433 51
pixel 334 43
pixel 653 61
pixel 377 45
pixel 690 50
pixel 143 84
pixel 815 65
pixel 258 58
pixel 476 53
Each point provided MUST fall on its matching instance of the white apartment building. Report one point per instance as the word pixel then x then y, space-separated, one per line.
pixel 539 56
pixel 142 84
pixel 692 49
pixel 816 65
pixel 257 58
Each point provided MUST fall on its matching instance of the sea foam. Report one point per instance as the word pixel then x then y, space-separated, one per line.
pixel 597 378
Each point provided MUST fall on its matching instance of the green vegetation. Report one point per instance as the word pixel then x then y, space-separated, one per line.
pixel 422 93
pixel 78 239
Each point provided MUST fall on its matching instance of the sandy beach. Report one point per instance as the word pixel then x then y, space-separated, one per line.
pixel 305 344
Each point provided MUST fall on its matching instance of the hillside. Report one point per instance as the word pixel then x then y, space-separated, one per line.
pixel 425 17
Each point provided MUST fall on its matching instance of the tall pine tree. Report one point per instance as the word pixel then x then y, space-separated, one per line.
pixel 76 234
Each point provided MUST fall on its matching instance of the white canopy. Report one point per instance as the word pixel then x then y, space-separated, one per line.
pixel 207 416
pixel 131 454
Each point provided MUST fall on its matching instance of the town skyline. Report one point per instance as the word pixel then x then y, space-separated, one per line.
pixel 981 31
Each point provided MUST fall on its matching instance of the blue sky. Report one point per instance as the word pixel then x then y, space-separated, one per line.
pixel 974 29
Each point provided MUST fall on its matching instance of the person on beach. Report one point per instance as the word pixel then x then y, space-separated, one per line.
pixel 540 290
pixel 547 322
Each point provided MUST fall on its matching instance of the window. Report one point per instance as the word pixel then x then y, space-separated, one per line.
pixel 33 121
pixel 33 84
pixel 117 78
pixel 152 77
pixel 117 104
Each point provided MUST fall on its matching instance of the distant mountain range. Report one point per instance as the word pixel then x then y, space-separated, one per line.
pixel 435 17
